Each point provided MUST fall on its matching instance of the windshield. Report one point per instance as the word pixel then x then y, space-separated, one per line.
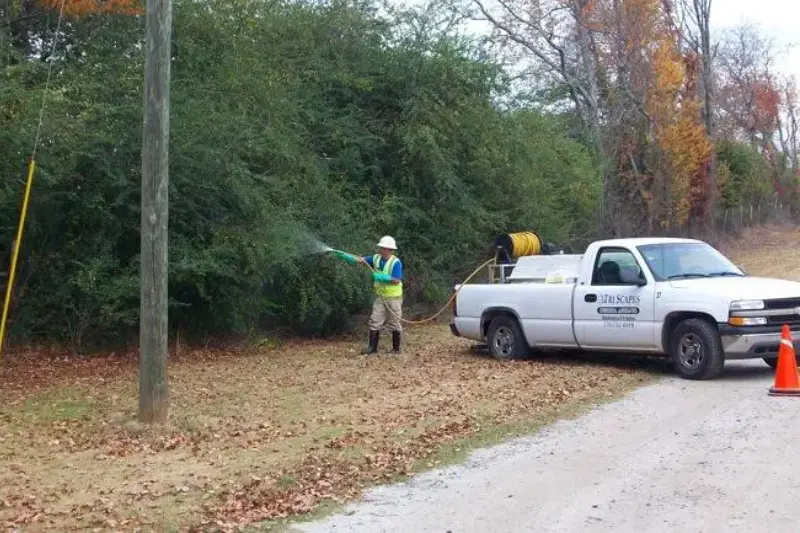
pixel 686 260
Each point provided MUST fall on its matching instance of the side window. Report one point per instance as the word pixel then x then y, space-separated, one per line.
pixel 616 266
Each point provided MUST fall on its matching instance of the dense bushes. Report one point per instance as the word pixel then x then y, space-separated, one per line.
pixel 743 174
pixel 288 122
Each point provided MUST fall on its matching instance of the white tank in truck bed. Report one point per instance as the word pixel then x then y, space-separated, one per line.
pixel 546 269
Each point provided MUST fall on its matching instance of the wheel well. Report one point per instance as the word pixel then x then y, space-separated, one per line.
pixel 673 319
pixel 491 314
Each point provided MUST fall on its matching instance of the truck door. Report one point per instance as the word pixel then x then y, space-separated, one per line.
pixel 615 309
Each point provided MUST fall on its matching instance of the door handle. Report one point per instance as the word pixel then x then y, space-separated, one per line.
pixel 590 298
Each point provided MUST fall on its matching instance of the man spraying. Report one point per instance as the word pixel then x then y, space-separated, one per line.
pixel 387 282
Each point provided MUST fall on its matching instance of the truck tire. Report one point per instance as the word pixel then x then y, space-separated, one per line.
pixel 505 338
pixel 696 349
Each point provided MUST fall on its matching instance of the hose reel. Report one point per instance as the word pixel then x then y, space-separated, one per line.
pixel 512 246
pixel 509 247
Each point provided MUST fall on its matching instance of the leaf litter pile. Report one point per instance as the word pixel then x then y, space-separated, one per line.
pixel 266 434
pixel 259 435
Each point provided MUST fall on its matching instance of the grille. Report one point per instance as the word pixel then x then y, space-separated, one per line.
pixel 784 319
pixel 782 303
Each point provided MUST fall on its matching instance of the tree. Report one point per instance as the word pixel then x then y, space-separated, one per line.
pixel 78 8
pixel 290 120
pixel 695 28
pixel 634 87
pixel 657 84
pixel 747 97
pixel 27 24
pixel 788 128
pixel 556 34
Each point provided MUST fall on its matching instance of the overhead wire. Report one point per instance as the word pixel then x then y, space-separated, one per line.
pixel 29 182
pixel 47 81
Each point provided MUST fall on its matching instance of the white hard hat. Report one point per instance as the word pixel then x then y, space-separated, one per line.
pixel 387 242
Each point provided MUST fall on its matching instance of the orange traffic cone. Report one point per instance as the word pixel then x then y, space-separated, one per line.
pixel 787 382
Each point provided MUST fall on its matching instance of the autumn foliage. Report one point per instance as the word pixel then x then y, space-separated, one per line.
pixel 656 95
pixel 680 135
pixel 766 100
pixel 77 8
pixel 663 153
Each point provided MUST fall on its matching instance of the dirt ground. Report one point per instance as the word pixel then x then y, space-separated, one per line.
pixel 270 433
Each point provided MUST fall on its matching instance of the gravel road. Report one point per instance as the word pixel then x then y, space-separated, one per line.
pixel 713 456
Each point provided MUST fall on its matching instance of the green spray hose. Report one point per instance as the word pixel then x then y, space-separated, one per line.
pixel 442 310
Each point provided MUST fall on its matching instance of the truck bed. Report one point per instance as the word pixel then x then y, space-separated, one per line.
pixel 546 269
pixel 544 310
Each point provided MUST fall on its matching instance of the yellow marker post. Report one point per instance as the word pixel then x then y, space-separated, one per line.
pixel 13 271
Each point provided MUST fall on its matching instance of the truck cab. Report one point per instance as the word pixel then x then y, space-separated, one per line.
pixel 675 297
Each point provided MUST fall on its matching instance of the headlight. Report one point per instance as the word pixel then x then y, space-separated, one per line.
pixel 747 321
pixel 747 305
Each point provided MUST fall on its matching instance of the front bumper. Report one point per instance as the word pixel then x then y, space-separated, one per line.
pixel 752 342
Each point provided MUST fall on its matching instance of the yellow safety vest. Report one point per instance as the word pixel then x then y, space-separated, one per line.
pixel 386 290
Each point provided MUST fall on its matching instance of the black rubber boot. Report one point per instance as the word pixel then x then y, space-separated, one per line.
pixel 372 347
pixel 396 336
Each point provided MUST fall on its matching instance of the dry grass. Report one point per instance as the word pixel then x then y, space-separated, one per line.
pixel 768 252
pixel 272 433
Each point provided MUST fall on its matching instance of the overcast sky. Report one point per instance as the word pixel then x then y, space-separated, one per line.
pixel 779 19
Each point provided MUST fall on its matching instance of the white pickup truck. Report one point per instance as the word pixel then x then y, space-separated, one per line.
pixel 675 297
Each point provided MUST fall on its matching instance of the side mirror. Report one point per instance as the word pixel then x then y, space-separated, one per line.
pixel 631 277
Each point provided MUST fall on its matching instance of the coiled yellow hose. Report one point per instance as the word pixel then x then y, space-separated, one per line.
pixel 525 243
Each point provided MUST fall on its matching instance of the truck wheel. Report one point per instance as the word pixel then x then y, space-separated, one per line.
pixel 696 350
pixel 505 338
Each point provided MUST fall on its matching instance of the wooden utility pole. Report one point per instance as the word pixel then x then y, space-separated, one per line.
pixel 153 389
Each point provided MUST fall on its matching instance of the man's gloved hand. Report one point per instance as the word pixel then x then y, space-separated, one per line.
pixel 381 277
pixel 346 257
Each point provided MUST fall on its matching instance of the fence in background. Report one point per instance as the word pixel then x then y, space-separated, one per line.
pixel 733 219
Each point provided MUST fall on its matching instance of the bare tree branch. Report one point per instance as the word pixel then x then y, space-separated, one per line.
pixel 558 66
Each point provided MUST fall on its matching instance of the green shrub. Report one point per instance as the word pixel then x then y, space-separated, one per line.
pixel 288 121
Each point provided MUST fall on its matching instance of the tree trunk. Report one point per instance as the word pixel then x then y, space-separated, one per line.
pixel 703 14
pixel 591 101
pixel 153 389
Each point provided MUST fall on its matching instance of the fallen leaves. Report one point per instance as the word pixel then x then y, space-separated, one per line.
pixel 28 509
pixel 329 478
pixel 258 435
pixel 261 436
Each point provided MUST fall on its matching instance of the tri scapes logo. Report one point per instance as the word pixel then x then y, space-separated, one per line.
pixel 618 299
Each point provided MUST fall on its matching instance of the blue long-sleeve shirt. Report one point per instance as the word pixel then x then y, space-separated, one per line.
pixel 397 269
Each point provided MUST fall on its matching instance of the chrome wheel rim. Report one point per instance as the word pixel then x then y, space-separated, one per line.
pixel 503 342
pixel 691 351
